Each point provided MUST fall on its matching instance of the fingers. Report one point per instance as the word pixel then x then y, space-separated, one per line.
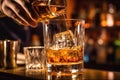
pixel 11 14
pixel 20 12
pixel 28 8
pixel 16 18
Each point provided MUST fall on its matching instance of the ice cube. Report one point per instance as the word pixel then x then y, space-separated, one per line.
pixel 63 39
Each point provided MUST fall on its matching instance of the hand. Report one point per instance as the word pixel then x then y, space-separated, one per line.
pixel 21 11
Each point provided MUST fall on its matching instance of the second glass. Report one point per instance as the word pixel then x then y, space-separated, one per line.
pixel 64 45
pixel 35 58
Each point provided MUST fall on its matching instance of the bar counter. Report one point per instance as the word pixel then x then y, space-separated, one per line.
pixel 88 74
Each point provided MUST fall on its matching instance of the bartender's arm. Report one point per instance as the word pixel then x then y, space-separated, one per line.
pixel 19 10
pixel 22 11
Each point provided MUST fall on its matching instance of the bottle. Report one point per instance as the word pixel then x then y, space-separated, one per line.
pixel 91 14
pixel 107 15
pixel 97 16
pixel 102 47
pixel 110 16
pixel 103 22
pixel 117 48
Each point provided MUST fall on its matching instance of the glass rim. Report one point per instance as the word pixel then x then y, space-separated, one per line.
pixel 30 47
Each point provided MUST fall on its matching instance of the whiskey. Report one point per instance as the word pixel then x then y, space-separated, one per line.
pixel 65 56
pixel 47 11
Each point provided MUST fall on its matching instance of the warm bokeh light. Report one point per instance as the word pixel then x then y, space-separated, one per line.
pixel 110 75
pixel 103 23
pixel 87 25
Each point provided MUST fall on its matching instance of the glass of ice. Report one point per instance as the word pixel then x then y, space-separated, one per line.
pixel 35 59
pixel 64 45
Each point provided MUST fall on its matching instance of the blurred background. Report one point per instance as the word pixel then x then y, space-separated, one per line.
pixel 102 38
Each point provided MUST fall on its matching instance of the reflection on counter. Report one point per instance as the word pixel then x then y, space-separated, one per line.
pixel 101 75
pixel 88 74
pixel 66 77
pixel 40 74
pixel 44 75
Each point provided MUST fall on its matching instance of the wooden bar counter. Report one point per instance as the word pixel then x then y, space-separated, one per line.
pixel 88 74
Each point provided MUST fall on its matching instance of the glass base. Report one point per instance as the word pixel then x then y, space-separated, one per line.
pixel 66 68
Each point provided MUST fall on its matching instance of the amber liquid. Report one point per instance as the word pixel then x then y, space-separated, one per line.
pixel 65 56
pixel 47 11
pixel 67 60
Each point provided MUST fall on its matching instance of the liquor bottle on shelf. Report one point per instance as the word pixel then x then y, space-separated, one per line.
pixel 117 17
pixel 90 50
pixel 91 14
pixel 110 15
pixel 106 51
pixel 117 48
pixel 97 16
pixel 101 48
pixel 107 15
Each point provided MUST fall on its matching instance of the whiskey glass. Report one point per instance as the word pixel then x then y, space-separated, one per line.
pixel 35 58
pixel 64 45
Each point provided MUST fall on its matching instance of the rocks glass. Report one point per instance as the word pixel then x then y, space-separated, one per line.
pixel 64 45
pixel 35 59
